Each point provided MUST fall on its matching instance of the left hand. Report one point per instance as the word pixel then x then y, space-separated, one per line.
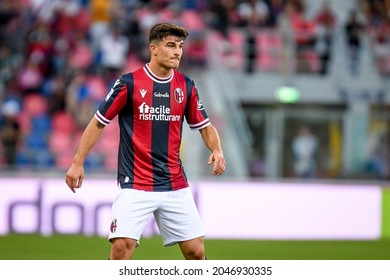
pixel 219 162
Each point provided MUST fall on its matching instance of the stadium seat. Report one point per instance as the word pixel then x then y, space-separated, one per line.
pixel 267 62
pixel 192 20
pixel 237 56
pixel 25 123
pixel 22 159
pixel 60 141
pixel 34 104
pixel 64 122
pixel 43 159
pixel 97 88
pixel 82 57
pixel 107 145
pixel 268 41
pixel 94 161
pixel 111 162
pixel 133 63
pixel 36 141
pixel 310 61
pixel 63 160
pixel 41 124
pixel 269 46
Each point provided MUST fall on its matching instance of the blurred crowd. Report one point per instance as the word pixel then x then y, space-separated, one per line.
pixel 58 58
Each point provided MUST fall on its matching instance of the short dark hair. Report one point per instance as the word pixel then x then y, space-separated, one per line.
pixel 162 30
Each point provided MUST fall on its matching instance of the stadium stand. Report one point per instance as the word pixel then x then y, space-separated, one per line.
pixel 56 72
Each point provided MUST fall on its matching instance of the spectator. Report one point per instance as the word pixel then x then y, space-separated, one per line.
pixel 8 13
pixel 81 55
pixel 250 49
pixel 30 78
pixel 304 147
pixel 223 16
pixel 10 131
pixel 354 33
pixel 100 17
pixel 276 8
pixel 326 21
pixel 40 48
pixel 54 89
pixel 286 32
pixel 79 102
pixel 114 49
pixel 378 163
pixel 196 50
pixel 254 12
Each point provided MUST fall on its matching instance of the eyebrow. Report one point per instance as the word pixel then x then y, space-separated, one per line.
pixel 181 42
pixel 176 39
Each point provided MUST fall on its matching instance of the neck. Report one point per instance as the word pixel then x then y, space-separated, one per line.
pixel 160 71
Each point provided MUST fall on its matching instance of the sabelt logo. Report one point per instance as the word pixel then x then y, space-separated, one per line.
pixel 159 94
pixel 160 113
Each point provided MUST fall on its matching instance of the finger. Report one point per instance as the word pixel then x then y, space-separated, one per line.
pixel 211 159
pixel 80 182
pixel 74 186
pixel 219 166
pixel 217 170
pixel 71 183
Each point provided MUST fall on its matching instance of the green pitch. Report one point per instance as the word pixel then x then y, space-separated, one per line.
pixel 71 247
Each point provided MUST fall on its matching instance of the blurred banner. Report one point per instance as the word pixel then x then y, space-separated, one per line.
pixel 231 210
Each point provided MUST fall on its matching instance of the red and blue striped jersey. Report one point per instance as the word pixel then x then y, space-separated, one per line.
pixel 151 111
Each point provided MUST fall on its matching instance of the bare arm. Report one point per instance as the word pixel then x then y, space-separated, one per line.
pixel 75 174
pixel 211 139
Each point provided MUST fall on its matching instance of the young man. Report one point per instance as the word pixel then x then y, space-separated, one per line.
pixel 151 104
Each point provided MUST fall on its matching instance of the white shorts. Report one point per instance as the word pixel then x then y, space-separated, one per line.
pixel 175 213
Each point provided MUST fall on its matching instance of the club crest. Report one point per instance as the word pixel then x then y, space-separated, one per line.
pixel 179 95
pixel 113 226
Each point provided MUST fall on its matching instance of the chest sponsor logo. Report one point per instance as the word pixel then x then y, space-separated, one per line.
pixel 160 113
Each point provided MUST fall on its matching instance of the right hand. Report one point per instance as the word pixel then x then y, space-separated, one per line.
pixel 74 177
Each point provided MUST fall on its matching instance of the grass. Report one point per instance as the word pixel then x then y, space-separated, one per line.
pixel 74 247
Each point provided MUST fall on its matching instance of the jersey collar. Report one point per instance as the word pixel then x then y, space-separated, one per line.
pixel 157 78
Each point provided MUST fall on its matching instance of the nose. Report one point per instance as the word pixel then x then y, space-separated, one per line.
pixel 177 51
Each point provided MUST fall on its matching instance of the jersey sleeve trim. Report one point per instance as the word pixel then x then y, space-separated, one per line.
pixel 101 118
pixel 200 125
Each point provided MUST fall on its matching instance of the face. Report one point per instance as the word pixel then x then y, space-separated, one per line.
pixel 168 52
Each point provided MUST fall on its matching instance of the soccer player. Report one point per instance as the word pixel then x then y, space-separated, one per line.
pixel 151 104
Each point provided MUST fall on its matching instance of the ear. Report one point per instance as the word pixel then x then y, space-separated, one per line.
pixel 153 49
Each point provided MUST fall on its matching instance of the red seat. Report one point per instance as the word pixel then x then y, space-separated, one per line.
pixel 268 41
pixel 63 122
pixel 97 88
pixel 312 59
pixel 133 63
pixel 60 142
pixel 64 160
pixel 34 104
pixel 192 20
pixel 108 144
pixel 267 62
pixel 111 162
pixel 237 39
